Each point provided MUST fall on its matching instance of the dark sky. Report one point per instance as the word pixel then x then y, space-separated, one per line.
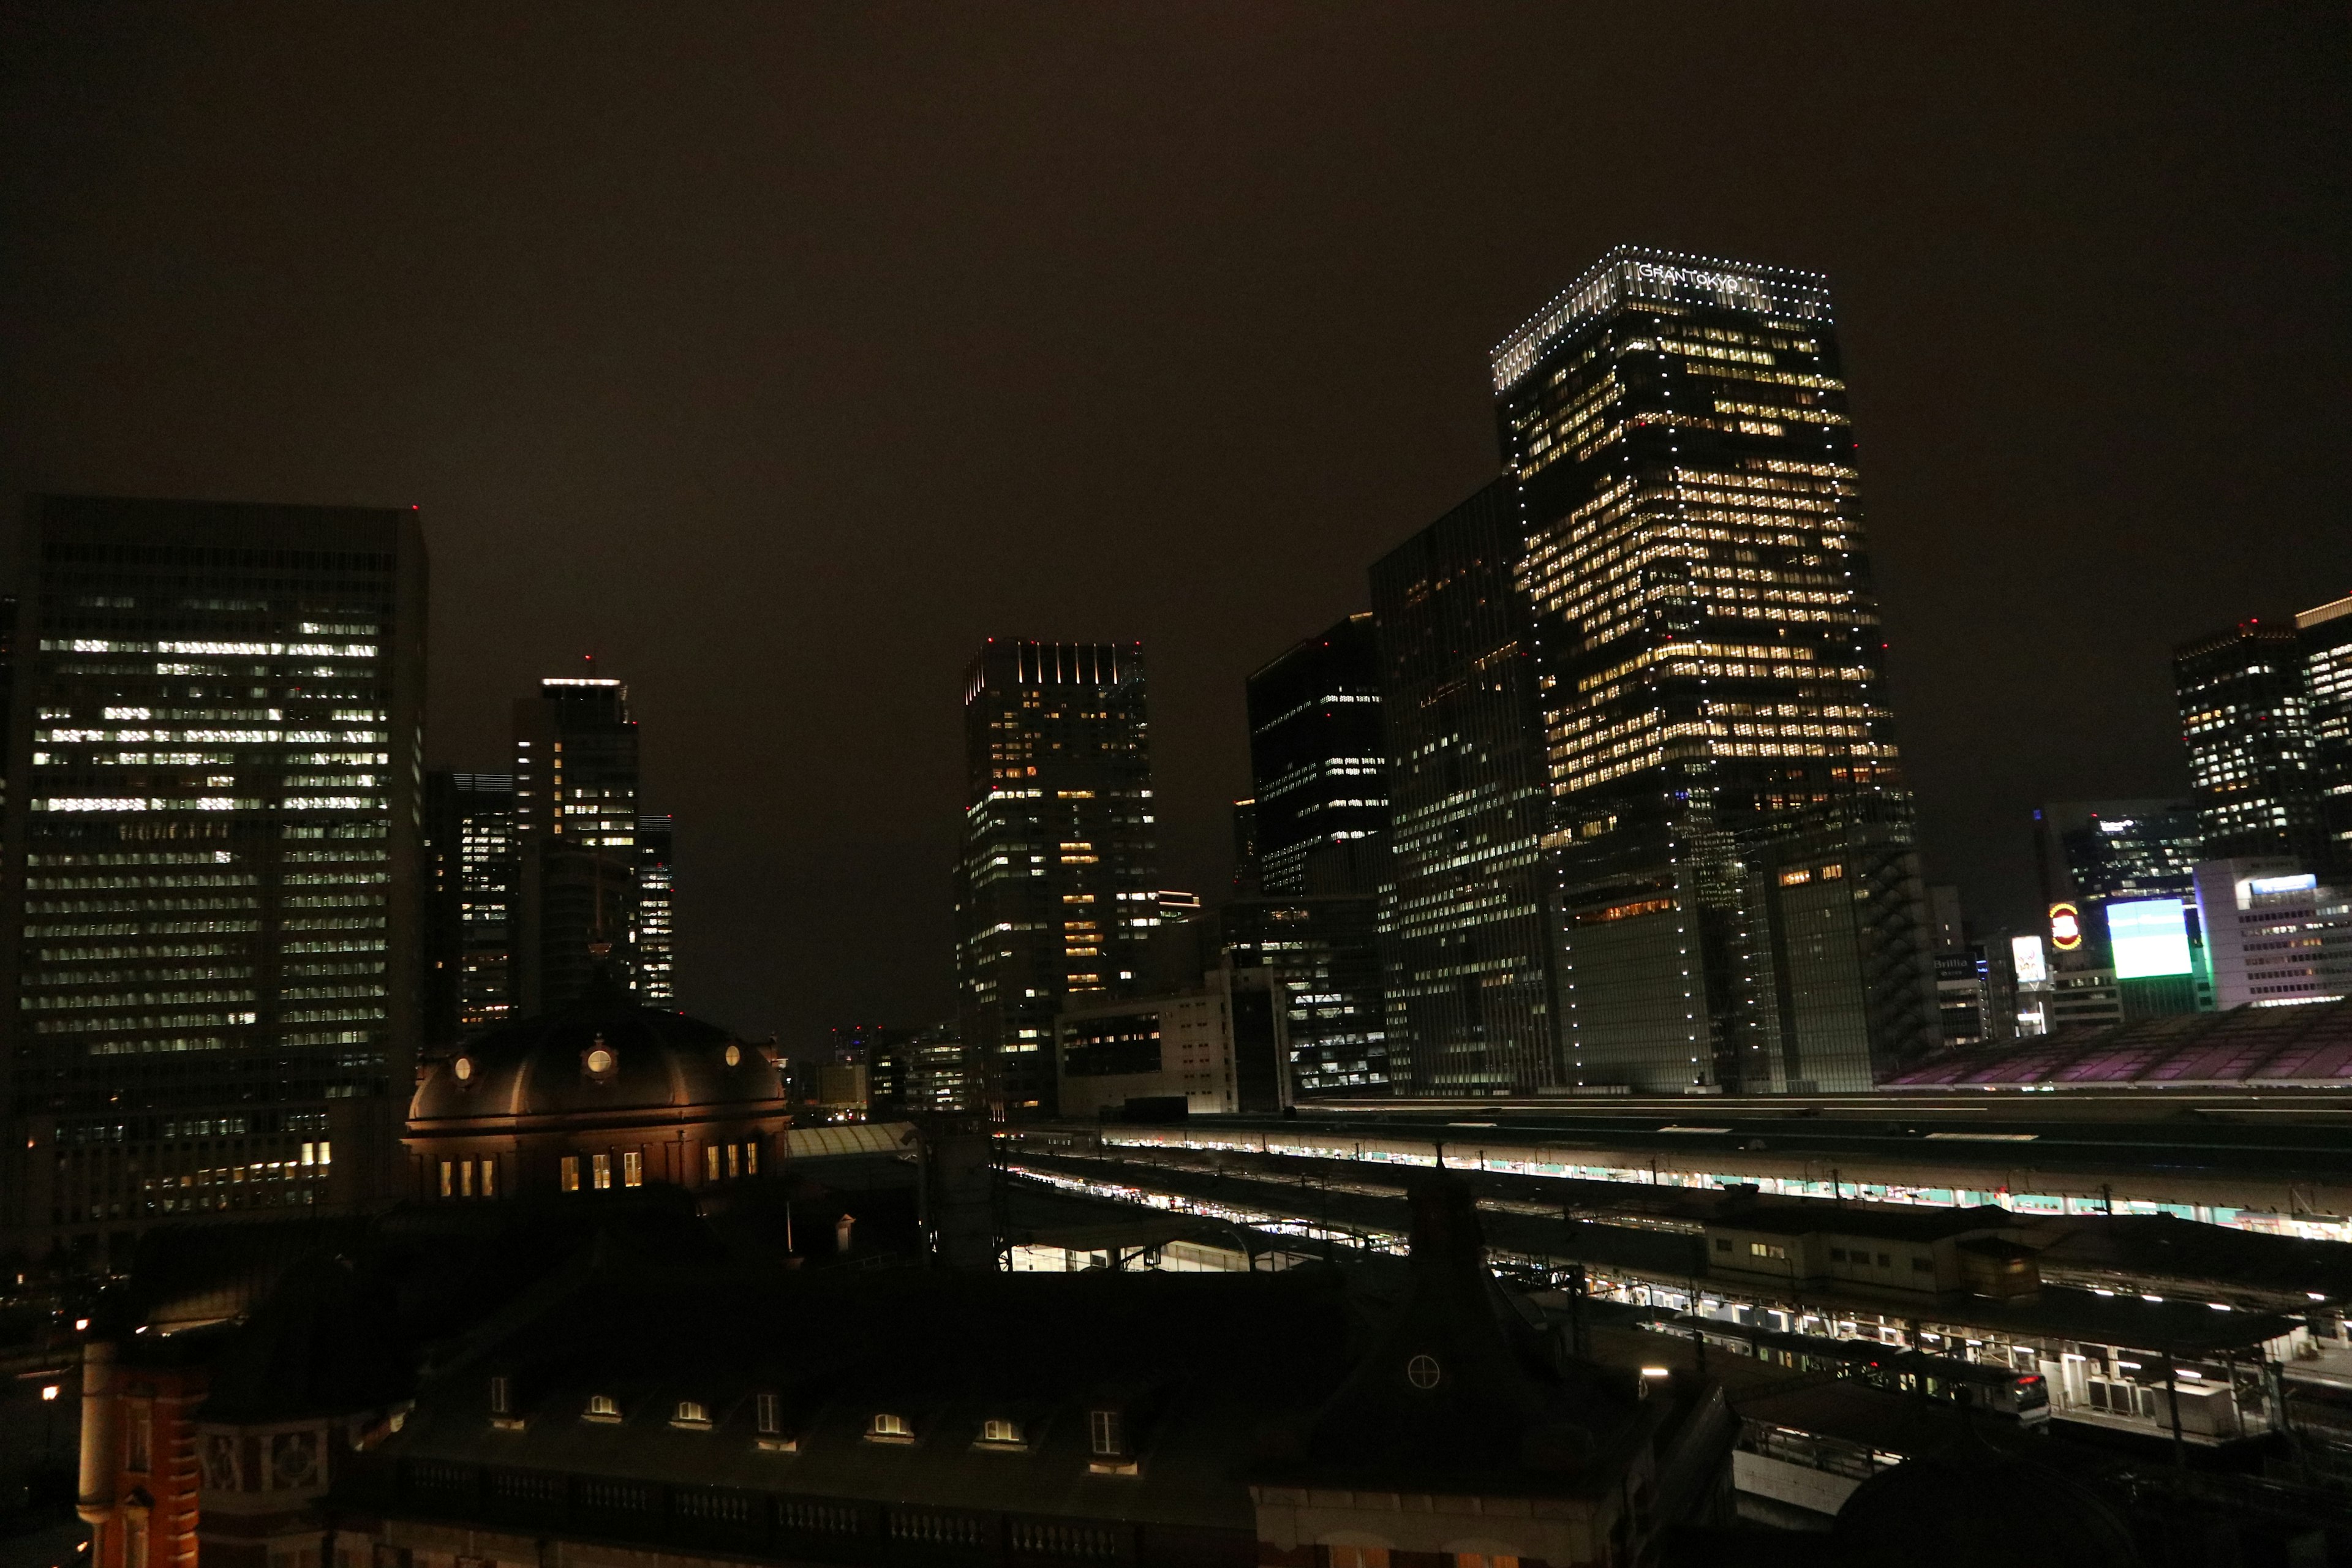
pixel 780 353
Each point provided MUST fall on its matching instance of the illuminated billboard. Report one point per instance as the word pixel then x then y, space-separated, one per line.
pixel 2025 956
pixel 2149 937
pixel 2066 926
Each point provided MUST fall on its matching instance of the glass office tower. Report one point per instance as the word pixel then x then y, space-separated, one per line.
pixel 656 931
pixel 2325 636
pixel 1057 888
pixel 1316 762
pixel 470 890
pixel 2245 721
pixel 576 837
pixel 1466 932
pixel 1738 895
pixel 211 926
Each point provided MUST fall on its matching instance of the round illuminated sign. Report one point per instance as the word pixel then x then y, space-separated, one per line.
pixel 600 1061
pixel 734 1056
pixel 464 1067
pixel 2066 926
pixel 1423 1371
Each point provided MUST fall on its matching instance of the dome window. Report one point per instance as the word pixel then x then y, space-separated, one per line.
pixel 1423 1371
pixel 464 1067
pixel 599 1061
pixel 734 1056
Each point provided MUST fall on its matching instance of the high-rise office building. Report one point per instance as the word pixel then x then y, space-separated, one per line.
pixel 211 932
pixel 470 879
pixel 2245 719
pixel 576 837
pixel 1319 830
pixel 1316 764
pixel 2129 866
pixel 2279 936
pixel 2325 636
pixel 1466 932
pixel 655 932
pixel 1058 890
pixel 1738 893
pixel 1324 950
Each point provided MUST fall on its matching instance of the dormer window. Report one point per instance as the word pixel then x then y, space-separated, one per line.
pixel 602 1408
pixel 1107 1451
pixel 765 1415
pixel 887 1427
pixel 1000 1431
pixel 691 1412
pixel 501 1396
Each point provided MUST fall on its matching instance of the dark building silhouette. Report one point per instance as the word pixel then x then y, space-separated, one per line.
pixel 1058 890
pixel 2245 718
pixel 1739 895
pixel 1467 933
pixel 2325 636
pixel 211 935
pixel 471 877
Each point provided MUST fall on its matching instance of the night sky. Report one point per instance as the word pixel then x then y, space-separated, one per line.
pixel 779 354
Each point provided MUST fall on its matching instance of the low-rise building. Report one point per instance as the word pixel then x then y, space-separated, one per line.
pixel 1926 1250
pixel 1217 1049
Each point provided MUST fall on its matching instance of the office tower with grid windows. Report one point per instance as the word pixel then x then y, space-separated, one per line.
pixel 210 935
pixel 1465 926
pixel 1738 889
pixel 1057 886
pixel 2245 719
pixel 2326 635
pixel 576 837
pixel 655 933
pixel 470 875
pixel 1316 764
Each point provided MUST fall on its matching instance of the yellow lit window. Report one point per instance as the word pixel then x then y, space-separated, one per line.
pixel 633 1168
pixel 571 1169
pixel 599 1170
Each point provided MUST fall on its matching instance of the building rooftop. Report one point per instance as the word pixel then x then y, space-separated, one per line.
pixel 2309 1046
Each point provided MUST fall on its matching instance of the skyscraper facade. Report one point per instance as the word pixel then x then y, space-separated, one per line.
pixel 1315 762
pixel 470 877
pixel 1738 889
pixel 654 931
pixel 576 837
pixel 1324 950
pixel 2326 635
pixel 1466 928
pixel 210 934
pixel 1057 886
pixel 2245 720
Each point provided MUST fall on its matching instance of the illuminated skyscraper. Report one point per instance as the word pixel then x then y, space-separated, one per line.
pixel 1466 934
pixel 655 930
pixel 1738 892
pixel 1057 890
pixel 577 838
pixel 2325 634
pixel 470 890
pixel 210 936
pixel 2246 720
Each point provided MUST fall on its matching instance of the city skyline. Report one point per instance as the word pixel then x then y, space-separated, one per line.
pixel 623 444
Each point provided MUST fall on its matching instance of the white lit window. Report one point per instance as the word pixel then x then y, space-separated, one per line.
pixel 1000 1431
pixel 604 1407
pixel 692 1412
pixel 1106 1433
pixel 763 1408
pixel 885 1424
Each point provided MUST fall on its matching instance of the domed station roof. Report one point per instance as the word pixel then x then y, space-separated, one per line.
pixel 600 1055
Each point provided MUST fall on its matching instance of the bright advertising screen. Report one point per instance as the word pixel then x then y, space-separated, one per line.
pixel 2148 937
pixel 2025 955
